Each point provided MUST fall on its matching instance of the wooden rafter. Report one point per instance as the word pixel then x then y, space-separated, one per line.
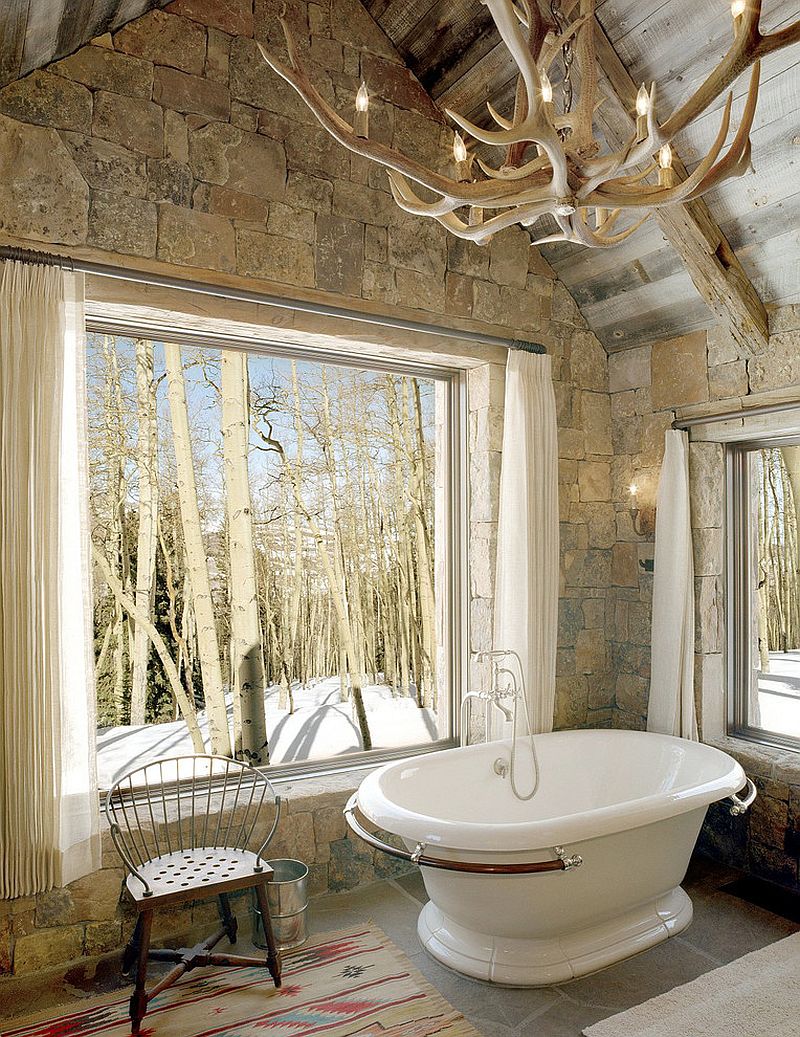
pixel 689 227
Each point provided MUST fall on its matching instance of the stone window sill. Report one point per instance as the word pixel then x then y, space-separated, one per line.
pixel 763 761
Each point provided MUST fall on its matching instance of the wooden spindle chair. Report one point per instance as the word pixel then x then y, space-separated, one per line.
pixel 186 829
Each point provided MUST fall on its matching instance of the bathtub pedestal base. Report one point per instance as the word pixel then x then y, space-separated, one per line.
pixel 539 962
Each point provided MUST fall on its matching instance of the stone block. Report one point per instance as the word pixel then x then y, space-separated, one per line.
pixel 350 21
pixel 679 371
pixel 596 421
pixel 310 150
pixel 233 204
pixel 253 82
pixel 379 283
pixel 591 568
pixel 709 618
pixel 165 39
pixel 357 202
pixel 768 863
pixel 728 380
pixel 414 135
pixel 274 258
pixel 784 318
pixel 103 69
pixel 191 238
pixel 508 257
pixel 119 223
pixel 769 819
pixel 465 257
pixel 572 702
pixel 417 245
pixel 106 166
pixel 245 162
pixel 631 692
pixel 420 291
pixel 571 444
pixel 588 362
pixel 707 484
pixel 308 192
pixel 600 524
pixel 376 244
pixel 45 99
pixel 625 565
pixel 185 93
pixel 291 223
pixel 176 137
pixel 169 181
pixel 233 16
pixel 652 447
pixel 594 480
pixel 623 404
pixel 130 121
pixel 708 552
pixel 103 937
pixel 339 255
pixel 629 369
pixel 779 366
pixel 329 825
pixel 590 652
pixel 247 118
pixel 47 947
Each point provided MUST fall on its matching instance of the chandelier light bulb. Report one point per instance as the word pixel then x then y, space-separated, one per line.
pixel 547 88
pixel 459 148
pixel 738 8
pixel 642 101
pixel 362 98
pixel 633 489
pixel 665 156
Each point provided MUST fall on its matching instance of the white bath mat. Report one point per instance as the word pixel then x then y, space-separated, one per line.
pixel 756 996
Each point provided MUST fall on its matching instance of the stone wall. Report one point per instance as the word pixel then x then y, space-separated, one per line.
pixel 694 374
pixel 172 147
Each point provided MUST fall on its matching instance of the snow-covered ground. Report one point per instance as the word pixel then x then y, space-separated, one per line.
pixel 320 727
pixel 779 694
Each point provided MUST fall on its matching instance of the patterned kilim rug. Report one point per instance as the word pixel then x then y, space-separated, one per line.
pixel 354 983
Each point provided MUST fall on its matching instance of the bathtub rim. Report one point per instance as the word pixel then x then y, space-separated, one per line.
pixel 512 837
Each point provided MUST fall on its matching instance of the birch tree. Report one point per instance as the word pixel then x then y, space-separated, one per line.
pixel 196 564
pixel 246 651
pixel 146 460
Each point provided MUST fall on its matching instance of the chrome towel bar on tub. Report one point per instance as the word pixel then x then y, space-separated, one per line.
pixel 563 862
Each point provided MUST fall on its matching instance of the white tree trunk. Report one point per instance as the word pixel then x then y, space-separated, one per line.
pixel 247 662
pixel 196 563
pixel 146 459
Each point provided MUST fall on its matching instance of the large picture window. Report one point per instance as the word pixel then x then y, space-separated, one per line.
pixel 275 554
pixel 764 505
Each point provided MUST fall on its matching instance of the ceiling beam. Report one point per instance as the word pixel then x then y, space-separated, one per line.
pixel 690 228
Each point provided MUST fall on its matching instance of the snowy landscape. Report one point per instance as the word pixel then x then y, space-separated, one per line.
pixel 322 726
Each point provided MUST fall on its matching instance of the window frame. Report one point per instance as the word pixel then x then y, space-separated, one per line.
pixel 739 590
pixel 457 503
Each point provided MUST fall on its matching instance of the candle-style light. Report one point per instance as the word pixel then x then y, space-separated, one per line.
pixel 666 174
pixel 547 94
pixel 462 159
pixel 642 111
pixel 361 122
pixel 738 7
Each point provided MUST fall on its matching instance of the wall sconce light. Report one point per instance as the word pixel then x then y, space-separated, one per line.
pixel 643 518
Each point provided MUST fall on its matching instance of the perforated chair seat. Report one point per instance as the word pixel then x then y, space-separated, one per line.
pixel 191 874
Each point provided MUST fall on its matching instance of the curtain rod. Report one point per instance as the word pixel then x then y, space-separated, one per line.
pixel 742 412
pixel 23 255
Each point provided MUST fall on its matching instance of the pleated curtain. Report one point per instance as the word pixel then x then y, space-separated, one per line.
pixel 49 813
pixel 671 708
pixel 526 587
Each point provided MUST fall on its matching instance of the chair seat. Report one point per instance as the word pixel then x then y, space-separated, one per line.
pixel 195 874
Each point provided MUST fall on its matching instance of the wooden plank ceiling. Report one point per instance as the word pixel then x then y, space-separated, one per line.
pixel 641 291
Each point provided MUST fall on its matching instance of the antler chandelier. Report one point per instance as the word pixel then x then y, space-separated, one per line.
pixel 553 162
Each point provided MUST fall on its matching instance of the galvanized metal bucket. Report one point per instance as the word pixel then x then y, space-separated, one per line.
pixel 287 894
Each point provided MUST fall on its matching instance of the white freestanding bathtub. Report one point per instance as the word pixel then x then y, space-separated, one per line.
pixel 629 803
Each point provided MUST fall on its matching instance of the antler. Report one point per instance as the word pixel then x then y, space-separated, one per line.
pixel 566 177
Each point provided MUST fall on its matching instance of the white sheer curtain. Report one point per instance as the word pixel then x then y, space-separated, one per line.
pixel 671 709
pixel 526 588
pixel 48 792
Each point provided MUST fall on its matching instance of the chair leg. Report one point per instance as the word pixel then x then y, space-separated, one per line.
pixel 273 955
pixel 138 1004
pixel 229 920
pixel 131 952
